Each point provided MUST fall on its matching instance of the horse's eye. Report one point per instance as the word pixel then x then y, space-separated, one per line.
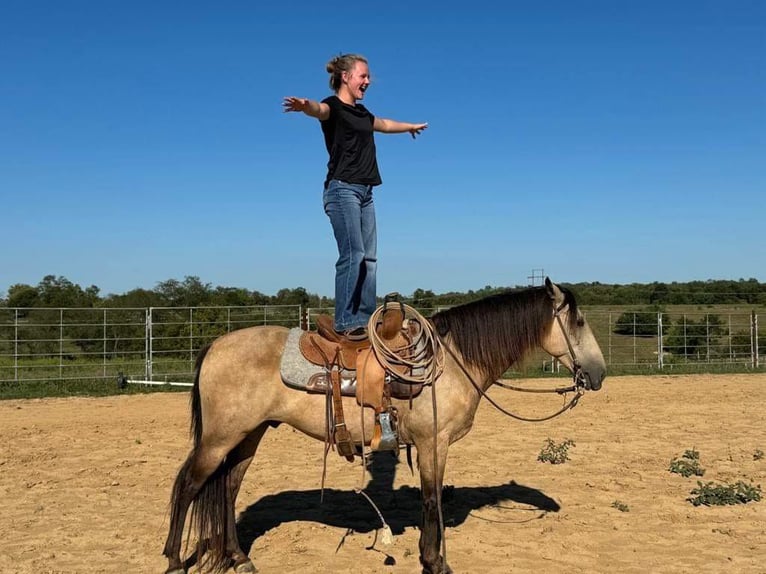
pixel 580 322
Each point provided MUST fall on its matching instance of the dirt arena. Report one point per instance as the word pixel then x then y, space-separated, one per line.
pixel 85 486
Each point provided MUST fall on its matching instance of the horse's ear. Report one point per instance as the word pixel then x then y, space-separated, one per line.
pixel 553 291
pixel 549 288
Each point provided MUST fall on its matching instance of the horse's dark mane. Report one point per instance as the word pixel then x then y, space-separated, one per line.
pixel 495 332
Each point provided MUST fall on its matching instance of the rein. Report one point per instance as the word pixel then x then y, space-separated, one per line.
pixel 579 392
pixel 578 379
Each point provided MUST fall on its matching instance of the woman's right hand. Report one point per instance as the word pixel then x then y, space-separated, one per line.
pixel 293 104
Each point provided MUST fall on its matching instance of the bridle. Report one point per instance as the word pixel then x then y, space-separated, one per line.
pixel 579 380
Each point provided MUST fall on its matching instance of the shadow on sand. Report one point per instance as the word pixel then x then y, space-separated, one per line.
pixel 401 508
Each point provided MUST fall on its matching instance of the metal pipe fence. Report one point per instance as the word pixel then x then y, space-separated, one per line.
pixel 153 344
pixel 160 344
pixel 670 339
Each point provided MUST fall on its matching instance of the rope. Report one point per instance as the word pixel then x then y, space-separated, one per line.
pixel 422 358
pixel 570 405
pixel 560 390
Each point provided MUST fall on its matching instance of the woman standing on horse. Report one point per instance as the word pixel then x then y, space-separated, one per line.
pixel 352 172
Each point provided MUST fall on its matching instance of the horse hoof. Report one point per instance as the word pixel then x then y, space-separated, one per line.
pixel 245 568
pixel 443 569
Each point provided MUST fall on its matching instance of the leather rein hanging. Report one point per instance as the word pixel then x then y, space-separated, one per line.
pixel 578 379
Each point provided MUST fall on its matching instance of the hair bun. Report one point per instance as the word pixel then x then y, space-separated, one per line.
pixel 332 65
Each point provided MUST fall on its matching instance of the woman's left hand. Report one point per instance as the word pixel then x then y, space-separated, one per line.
pixel 416 129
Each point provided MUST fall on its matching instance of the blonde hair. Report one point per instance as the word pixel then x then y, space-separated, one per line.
pixel 339 64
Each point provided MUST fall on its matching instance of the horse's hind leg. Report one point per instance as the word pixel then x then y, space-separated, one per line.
pixel 197 468
pixel 240 459
pixel 197 481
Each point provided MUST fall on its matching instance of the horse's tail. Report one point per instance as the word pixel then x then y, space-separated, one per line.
pixel 196 412
pixel 208 504
pixel 209 518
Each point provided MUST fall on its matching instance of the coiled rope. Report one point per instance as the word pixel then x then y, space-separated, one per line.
pixel 421 361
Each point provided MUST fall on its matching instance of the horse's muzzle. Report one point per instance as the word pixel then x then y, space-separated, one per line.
pixel 595 380
pixel 590 380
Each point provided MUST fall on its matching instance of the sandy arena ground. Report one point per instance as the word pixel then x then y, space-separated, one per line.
pixel 85 486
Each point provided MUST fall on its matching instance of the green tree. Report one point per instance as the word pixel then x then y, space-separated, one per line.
pixel 61 292
pixel 297 296
pixel 135 298
pixel 191 292
pixel 692 339
pixel 21 295
pixel 423 299
pixel 641 323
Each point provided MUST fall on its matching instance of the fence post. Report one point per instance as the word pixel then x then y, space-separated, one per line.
pixel 754 339
pixel 148 345
pixel 732 355
pixel 304 317
pixel 61 343
pixel 104 357
pixel 660 358
pixel 635 341
pixel 191 336
pixel 609 340
pixel 16 345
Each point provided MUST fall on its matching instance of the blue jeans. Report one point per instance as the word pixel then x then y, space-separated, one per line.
pixel 352 214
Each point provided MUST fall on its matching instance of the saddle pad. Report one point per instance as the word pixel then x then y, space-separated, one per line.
pixel 294 368
pixel 297 372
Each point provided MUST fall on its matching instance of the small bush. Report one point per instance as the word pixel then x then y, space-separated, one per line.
pixel 758 454
pixel 621 506
pixel 555 453
pixel 712 494
pixel 688 465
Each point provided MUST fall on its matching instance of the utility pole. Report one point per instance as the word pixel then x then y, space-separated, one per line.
pixel 537 274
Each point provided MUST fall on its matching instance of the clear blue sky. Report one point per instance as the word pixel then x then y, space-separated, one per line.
pixel 600 140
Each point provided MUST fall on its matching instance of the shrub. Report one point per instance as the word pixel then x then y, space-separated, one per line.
pixel 621 506
pixel 687 465
pixel 711 494
pixel 555 453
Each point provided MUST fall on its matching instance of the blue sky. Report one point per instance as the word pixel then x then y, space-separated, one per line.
pixel 610 141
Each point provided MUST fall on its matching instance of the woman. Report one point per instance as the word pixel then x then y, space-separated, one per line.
pixel 352 172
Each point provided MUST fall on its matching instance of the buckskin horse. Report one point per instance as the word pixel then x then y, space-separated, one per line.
pixel 238 394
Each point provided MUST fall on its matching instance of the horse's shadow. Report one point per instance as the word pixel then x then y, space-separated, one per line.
pixel 401 508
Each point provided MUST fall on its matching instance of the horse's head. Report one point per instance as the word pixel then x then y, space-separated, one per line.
pixel 571 341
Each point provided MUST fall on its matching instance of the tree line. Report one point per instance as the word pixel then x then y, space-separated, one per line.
pixel 35 327
pixel 58 291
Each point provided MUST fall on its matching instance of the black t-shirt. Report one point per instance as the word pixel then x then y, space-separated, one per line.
pixel 348 136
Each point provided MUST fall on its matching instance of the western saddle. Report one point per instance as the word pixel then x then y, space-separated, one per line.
pixel 351 368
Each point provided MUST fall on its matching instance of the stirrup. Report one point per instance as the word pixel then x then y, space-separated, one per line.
pixel 388 438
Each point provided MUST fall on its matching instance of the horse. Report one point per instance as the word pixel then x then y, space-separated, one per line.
pixel 238 394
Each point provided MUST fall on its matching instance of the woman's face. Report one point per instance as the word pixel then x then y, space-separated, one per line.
pixel 357 80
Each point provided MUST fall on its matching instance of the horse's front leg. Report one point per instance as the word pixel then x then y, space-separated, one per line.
pixel 431 478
